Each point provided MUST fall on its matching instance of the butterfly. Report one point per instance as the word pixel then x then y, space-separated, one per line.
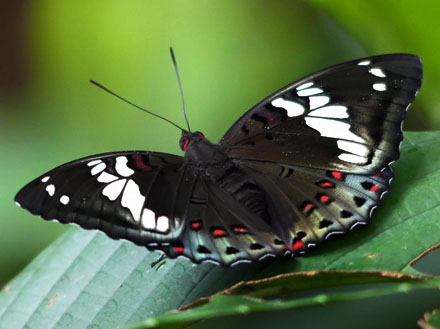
pixel 309 161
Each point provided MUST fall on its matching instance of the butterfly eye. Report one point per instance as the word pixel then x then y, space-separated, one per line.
pixel 201 135
pixel 185 144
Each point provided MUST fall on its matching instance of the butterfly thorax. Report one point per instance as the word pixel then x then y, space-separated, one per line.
pixel 200 152
pixel 220 169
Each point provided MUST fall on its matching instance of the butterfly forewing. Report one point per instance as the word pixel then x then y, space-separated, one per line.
pixel 311 205
pixel 346 117
pixel 132 195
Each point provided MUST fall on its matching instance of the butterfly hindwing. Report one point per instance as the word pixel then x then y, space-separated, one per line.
pixel 345 117
pixel 310 205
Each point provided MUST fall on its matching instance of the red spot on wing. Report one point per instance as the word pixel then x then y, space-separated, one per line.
pixel 298 245
pixel 196 225
pixel 272 119
pixel 327 184
pixel 307 207
pixel 218 232
pixel 374 188
pixel 268 115
pixel 324 198
pixel 201 135
pixel 179 249
pixel 239 229
pixel 337 175
pixel 139 162
pixel 379 174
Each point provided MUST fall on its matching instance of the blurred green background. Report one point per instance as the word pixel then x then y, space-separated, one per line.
pixel 231 54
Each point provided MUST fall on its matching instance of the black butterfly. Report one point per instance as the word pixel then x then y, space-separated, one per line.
pixel 307 162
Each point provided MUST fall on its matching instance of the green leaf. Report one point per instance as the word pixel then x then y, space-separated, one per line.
pixel 86 279
pixel 275 294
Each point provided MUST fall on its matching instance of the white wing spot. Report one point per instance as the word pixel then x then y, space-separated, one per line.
pixel 106 177
pixel 332 233
pixel 356 224
pixel 18 204
pixel 122 168
pixel 64 199
pixel 355 148
pixel 45 179
pixel 162 224
pixel 304 85
pixel 293 109
pixel 352 158
pixel 50 189
pixel 331 111
pixel 364 63
pixel 317 101
pixel 148 220
pixel 333 129
pixel 380 86
pixel 309 91
pixel 97 169
pixel 112 190
pixel 377 72
pixel 133 199
pixel 93 162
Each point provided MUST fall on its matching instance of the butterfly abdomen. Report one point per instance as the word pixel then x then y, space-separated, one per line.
pixel 222 171
pixel 245 191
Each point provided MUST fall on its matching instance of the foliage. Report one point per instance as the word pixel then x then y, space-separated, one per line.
pixel 231 54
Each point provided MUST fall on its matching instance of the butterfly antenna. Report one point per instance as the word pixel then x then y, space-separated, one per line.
pixel 136 106
pixel 180 86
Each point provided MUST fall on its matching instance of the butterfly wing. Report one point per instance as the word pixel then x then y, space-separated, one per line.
pixel 320 148
pixel 346 117
pixel 309 205
pixel 154 200
pixel 110 192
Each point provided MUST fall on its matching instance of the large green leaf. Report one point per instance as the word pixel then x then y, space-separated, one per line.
pixel 86 279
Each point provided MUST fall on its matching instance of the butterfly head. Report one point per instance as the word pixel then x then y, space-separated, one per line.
pixel 189 137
